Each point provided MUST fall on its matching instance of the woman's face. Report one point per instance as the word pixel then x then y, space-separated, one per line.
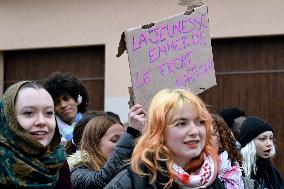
pixel 263 144
pixel 186 135
pixel 215 139
pixel 109 139
pixel 66 108
pixel 34 111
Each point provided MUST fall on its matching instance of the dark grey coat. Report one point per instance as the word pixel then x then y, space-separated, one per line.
pixel 83 177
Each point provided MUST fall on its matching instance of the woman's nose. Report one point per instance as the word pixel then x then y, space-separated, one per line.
pixel 40 120
pixel 269 142
pixel 192 129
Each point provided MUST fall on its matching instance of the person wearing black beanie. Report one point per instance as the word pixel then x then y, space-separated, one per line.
pixel 256 139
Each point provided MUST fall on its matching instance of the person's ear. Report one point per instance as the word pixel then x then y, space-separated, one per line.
pixel 79 99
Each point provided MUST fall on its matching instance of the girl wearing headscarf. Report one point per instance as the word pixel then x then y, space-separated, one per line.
pixel 30 152
pixel 257 150
pixel 175 150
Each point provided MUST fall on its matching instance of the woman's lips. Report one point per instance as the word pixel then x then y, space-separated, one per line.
pixel 267 151
pixel 192 144
pixel 39 134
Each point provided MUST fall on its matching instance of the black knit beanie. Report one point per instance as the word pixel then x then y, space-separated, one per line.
pixel 229 114
pixel 251 128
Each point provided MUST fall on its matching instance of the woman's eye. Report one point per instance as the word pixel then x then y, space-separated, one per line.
pixel 181 124
pixel 28 113
pixel 49 113
pixel 114 140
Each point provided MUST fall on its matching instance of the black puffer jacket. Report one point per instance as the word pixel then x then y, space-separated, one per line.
pixel 83 177
pixel 127 179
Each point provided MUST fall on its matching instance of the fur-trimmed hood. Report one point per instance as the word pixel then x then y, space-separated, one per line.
pixel 77 159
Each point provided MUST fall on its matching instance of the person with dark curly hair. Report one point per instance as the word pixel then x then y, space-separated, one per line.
pixel 230 158
pixel 70 99
pixel 224 139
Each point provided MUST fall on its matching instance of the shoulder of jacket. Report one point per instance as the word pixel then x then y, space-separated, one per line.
pixel 121 180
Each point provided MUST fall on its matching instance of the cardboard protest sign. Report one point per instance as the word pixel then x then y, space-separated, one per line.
pixel 172 53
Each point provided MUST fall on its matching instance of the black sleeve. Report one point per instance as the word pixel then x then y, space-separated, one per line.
pixel 134 132
pixel 122 180
pixel 64 180
pixel 83 177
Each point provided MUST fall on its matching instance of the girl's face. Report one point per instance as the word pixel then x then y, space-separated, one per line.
pixel 263 144
pixel 186 135
pixel 111 136
pixel 66 108
pixel 34 111
pixel 215 139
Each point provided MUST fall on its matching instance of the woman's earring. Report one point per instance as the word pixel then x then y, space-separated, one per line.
pixel 79 99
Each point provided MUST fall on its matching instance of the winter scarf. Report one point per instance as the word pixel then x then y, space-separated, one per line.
pixel 66 130
pixel 201 178
pixel 24 162
pixel 230 175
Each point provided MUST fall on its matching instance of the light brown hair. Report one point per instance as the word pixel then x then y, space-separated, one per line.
pixel 93 132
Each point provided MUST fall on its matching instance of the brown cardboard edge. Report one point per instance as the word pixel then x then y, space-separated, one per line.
pixel 131 99
pixel 191 9
pixel 122 45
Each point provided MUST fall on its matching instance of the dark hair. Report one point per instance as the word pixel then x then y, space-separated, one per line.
pixel 71 147
pixel 226 138
pixel 113 115
pixel 80 126
pixel 60 84
pixel 229 114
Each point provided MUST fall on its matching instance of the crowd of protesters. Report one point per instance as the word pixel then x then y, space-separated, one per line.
pixel 48 139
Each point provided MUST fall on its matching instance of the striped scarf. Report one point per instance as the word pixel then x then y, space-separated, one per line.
pixel 201 178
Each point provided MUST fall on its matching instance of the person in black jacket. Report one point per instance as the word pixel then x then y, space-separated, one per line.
pixel 175 149
pixel 104 149
pixel 257 149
